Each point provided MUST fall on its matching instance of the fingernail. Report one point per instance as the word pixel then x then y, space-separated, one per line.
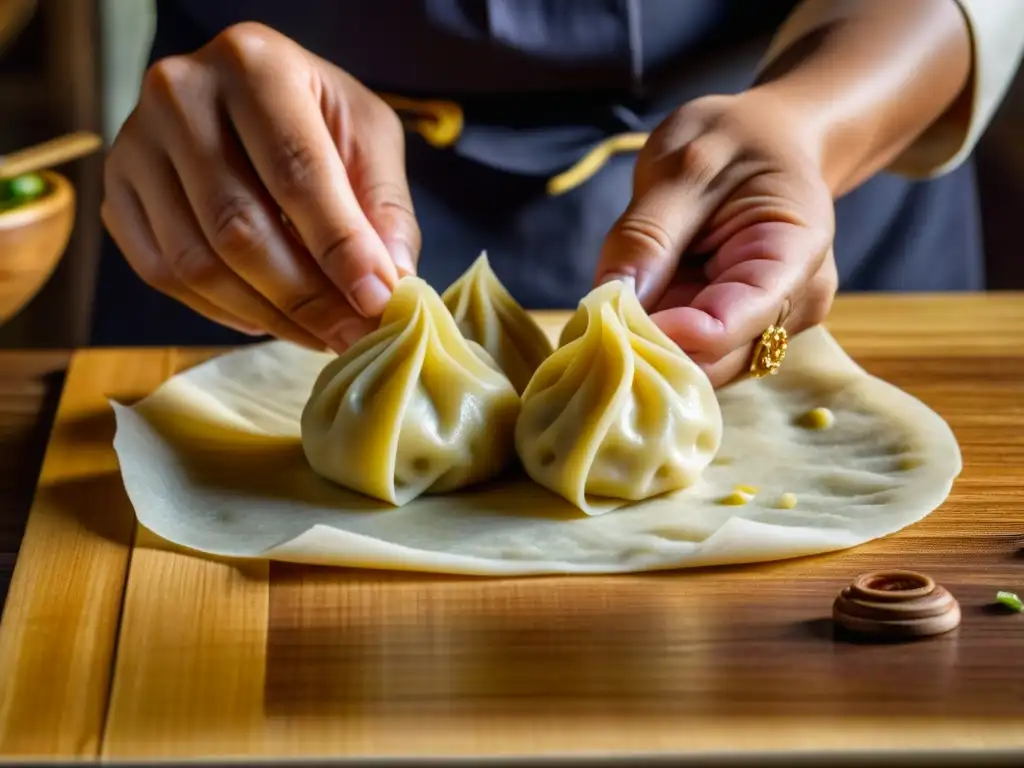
pixel 608 277
pixel 370 295
pixel 348 332
pixel 402 256
pixel 637 280
pixel 248 330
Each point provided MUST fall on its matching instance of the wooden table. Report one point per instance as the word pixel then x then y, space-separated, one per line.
pixel 113 647
pixel 30 384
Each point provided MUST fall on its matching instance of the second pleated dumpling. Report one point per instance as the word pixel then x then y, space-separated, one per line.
pixel 413 407
pixel 488 314
pixel 618 413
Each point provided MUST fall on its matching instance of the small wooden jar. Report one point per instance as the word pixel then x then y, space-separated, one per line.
pixel 896 605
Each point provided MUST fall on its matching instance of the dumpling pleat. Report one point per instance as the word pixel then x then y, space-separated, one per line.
pixel 412 408
pixel 487 314
pixel 618 413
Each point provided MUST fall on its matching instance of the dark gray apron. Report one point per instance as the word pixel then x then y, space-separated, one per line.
pixel 540 82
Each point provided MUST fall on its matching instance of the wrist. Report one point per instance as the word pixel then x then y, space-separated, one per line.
pixel 870 81
pixel 838 143
pixel 809 130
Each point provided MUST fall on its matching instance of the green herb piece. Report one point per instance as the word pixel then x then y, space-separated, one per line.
pixel 21 190
pixel 1010 600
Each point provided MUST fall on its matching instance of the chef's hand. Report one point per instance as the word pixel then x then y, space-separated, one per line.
pixel 265 188
pixel 747 182
pixel 730 222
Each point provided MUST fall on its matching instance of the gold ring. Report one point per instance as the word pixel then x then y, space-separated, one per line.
pixel 770 349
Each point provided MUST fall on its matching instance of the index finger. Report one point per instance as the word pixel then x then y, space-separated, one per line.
pixel 281 125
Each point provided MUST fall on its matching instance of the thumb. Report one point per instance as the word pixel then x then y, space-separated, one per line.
pixel 649 238
pixel 380 185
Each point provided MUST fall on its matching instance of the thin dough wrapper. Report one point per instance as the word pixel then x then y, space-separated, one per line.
pixel 487 314
pixel 411 408
pixel 618 413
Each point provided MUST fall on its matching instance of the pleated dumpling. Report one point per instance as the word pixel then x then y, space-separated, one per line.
pixel 487 314
pixel 618 413
pixel 411 408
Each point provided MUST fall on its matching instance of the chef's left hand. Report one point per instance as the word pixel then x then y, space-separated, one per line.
pixel 730 222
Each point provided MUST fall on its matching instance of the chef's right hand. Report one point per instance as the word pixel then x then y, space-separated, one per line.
pixel 226 140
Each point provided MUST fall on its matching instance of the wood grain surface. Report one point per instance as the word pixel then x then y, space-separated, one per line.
pixel 30 384
pixel 61 616
pixel 223 659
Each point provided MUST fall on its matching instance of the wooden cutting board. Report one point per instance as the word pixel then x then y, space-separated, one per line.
pixel 113 646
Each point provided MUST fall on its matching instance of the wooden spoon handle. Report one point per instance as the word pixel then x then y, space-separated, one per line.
pixel 49 154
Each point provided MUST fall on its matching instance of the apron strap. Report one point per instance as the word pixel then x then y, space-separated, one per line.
pixel 440 124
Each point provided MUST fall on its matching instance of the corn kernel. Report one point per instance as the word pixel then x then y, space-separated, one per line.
pixel 735 499
pixel 818 418
pixel 787 501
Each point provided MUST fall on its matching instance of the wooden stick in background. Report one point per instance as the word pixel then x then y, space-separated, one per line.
pixel 49 153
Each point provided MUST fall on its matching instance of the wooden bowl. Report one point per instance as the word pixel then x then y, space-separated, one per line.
pixel 32 240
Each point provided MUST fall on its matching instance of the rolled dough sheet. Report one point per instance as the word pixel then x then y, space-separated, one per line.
pixel 212 462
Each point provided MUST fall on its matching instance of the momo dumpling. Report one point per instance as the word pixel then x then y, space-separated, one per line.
pixel 411 408
pixel 487 314
pixel 618 413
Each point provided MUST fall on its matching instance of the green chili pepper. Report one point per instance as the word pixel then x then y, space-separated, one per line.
pixel 1010 600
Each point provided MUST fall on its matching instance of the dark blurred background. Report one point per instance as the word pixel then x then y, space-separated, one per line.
pixel 77 64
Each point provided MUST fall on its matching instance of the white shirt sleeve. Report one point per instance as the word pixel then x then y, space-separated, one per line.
pixel 997 43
